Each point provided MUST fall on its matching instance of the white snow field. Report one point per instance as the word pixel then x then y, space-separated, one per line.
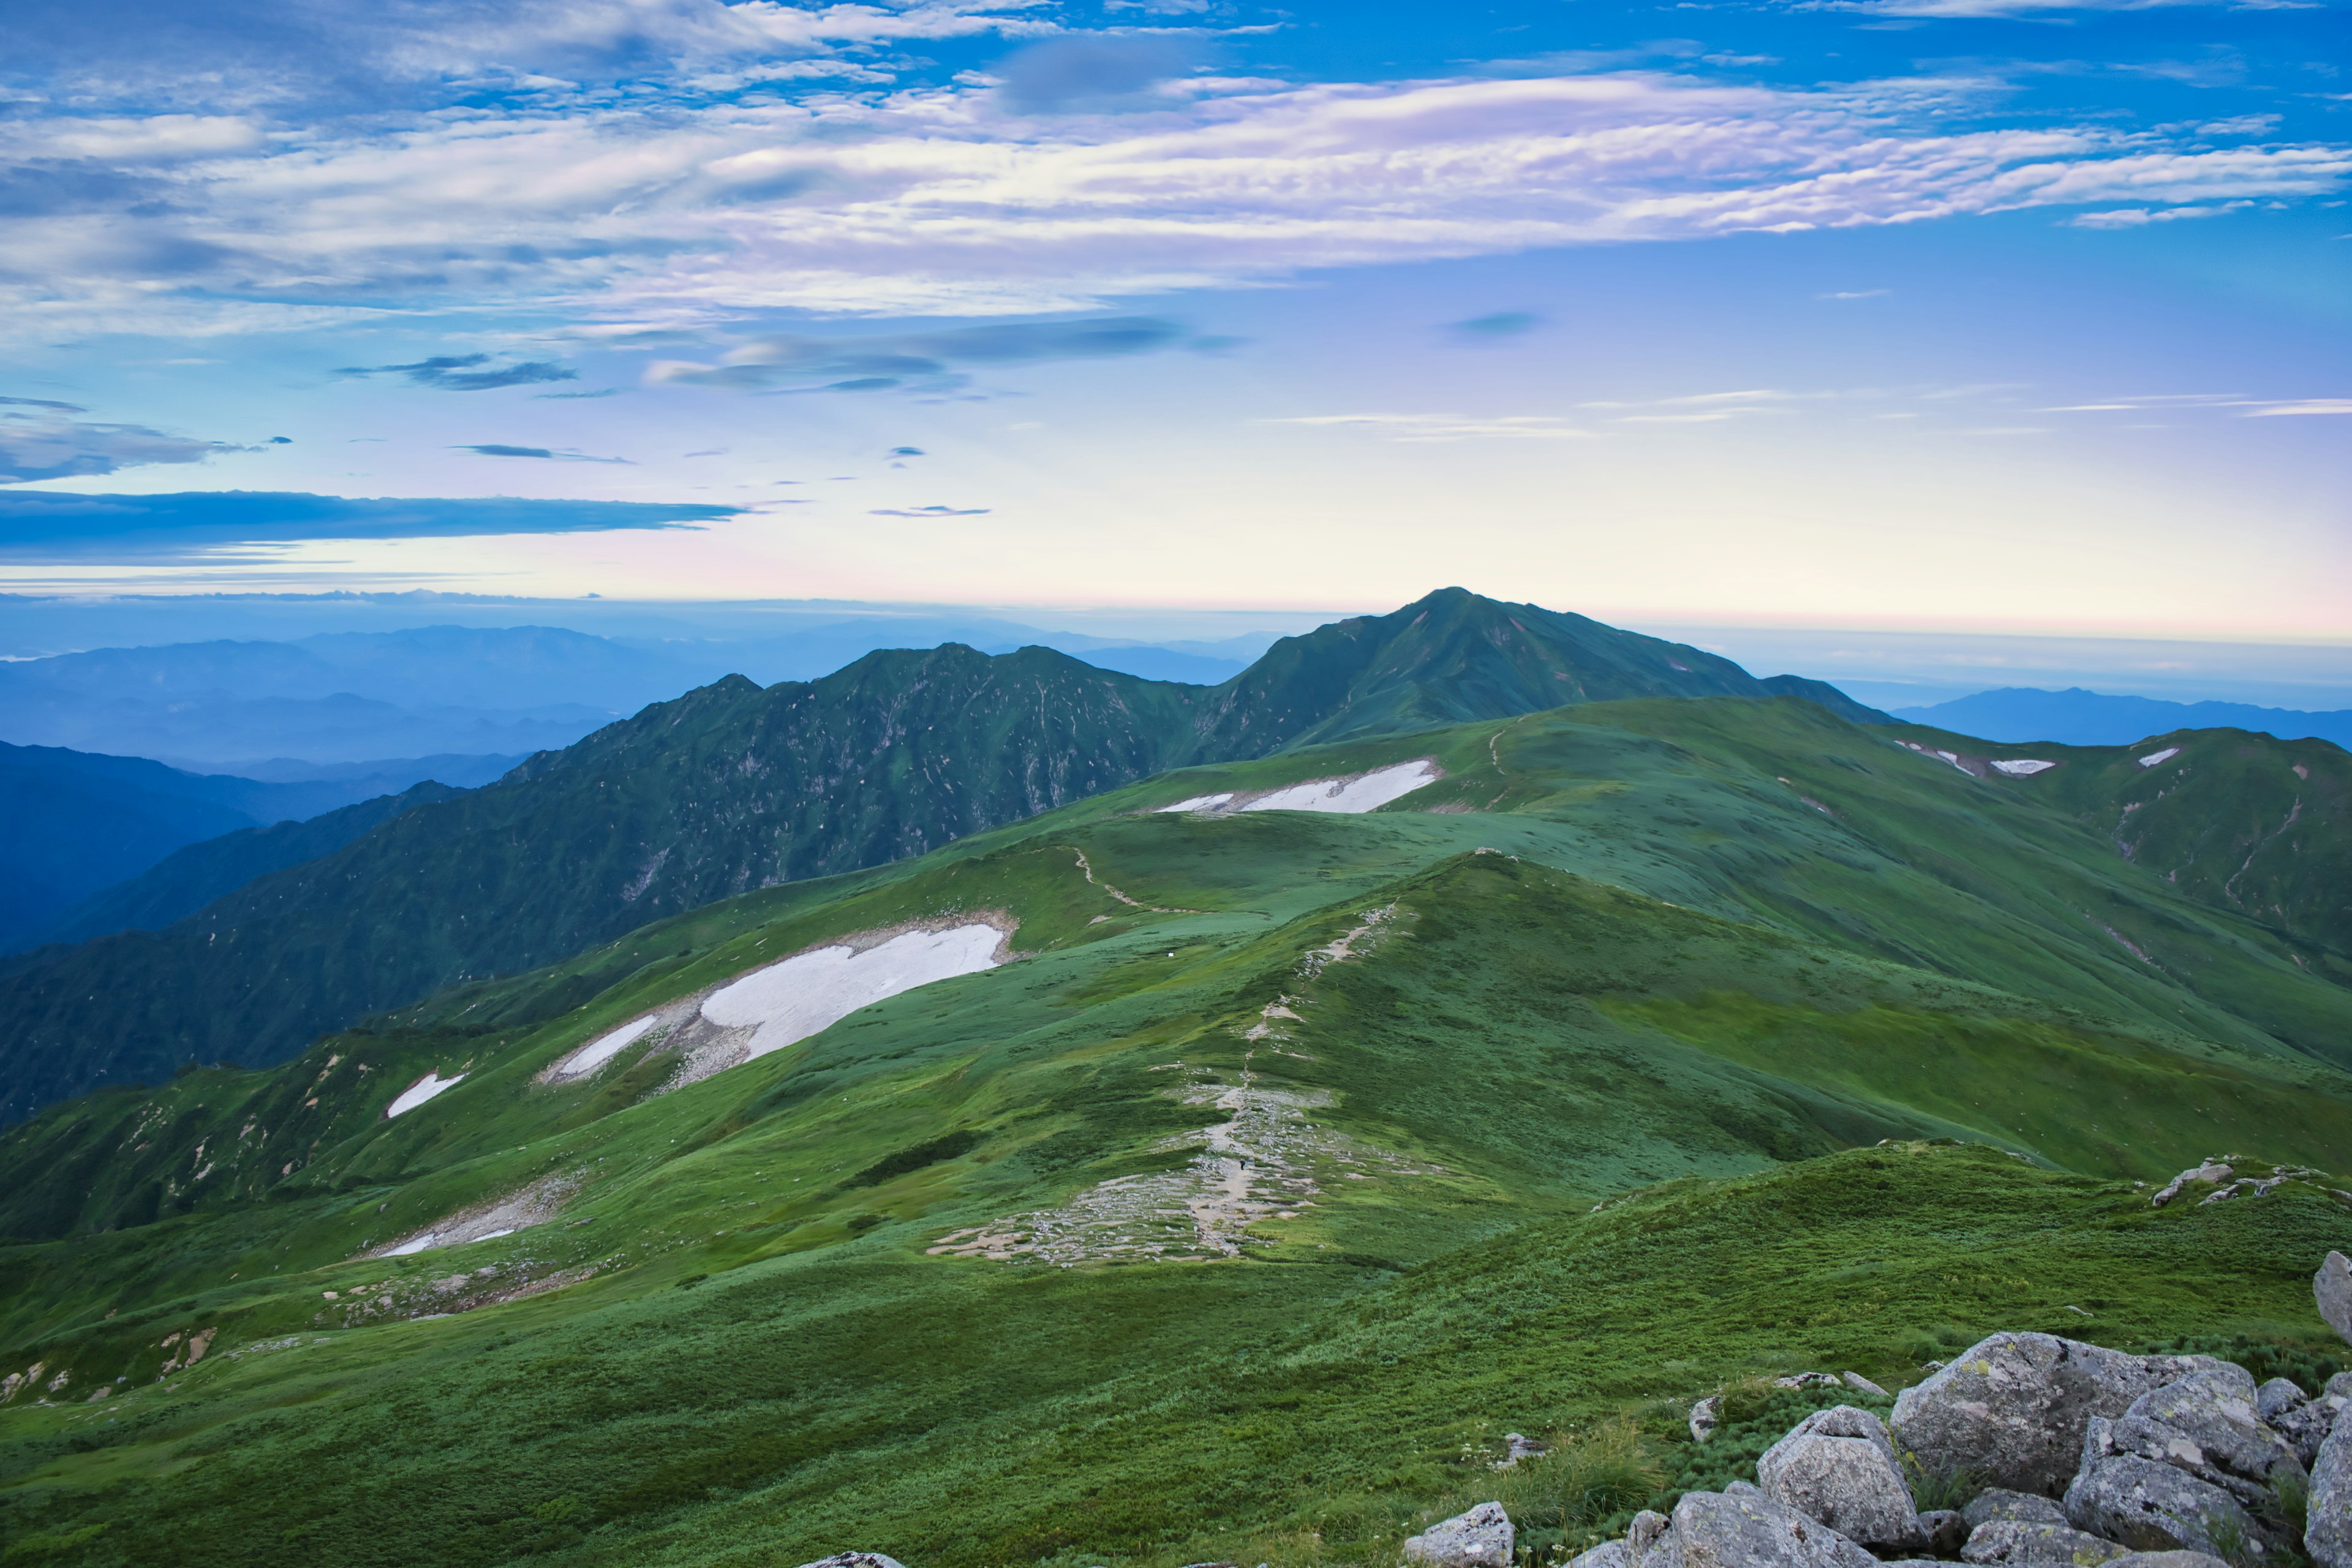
pixel 1376 788
pixel 2166 755
pixel 423 1089
pixel 793 999
pixel 596 1053
pixel 2023 767
pixel 1200 803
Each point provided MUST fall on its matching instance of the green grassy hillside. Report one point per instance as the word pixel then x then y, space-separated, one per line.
pixel 1845 1045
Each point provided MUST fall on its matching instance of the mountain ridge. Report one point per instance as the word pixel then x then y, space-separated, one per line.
pixel 734 787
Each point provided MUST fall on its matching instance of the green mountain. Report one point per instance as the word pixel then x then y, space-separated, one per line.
pixel 732 787
pixel 2235 819
pixel 1290 1159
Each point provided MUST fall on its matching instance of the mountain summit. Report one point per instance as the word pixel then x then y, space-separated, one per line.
pixel 1454 657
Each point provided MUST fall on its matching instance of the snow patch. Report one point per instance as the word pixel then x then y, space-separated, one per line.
pixel 595 1054
pixel 1198 803
pixel 788 1001
pixel 1361 793
pixel 423 1089
pixel 2023 767
pixel 2166 755
pixel 535 1205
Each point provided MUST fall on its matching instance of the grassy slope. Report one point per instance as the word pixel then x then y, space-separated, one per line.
pixel 1541 1039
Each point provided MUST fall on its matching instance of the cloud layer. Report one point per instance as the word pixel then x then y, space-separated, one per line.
pixel 956 201
pixel 41 526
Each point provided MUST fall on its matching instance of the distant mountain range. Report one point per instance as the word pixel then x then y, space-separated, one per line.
pixel 732 787
pixel 2017 713
pixel 348 698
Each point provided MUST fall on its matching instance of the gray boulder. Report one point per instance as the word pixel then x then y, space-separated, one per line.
pixel 1649 1527
pixel 2306 1425
pixel 1706 1415
pixel 1944 1531
pixel 2278 1396
pixel 2012 1409
pixel 2015 1544
pixel 2332 1288
pixel 1838 1466
pixel 2154 1507
pixel 1997 1502
pixel 1481 1538
pixel 2216 1409
pixel 1608 1554
pixel 1740 1526
pixel 854 1560
pixel 2167 1559
pixel 2327 1516
pixel 2167 1444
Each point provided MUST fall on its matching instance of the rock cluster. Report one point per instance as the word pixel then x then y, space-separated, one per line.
pixel 2084 1457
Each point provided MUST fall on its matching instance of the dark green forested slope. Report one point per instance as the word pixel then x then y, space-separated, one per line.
pixel 732 787
pixel 728 788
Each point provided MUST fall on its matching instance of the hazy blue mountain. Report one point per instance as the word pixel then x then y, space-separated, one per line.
pixel 2081 718
pixel 1159 664
pixel 72 822
pixel 194 876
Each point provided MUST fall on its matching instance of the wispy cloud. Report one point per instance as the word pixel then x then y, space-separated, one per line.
pixel 470 373
pixel 930 512
pixel 47 444
pixel 543 454
pixel 880 361
pixel 1450 426
pixel 944 201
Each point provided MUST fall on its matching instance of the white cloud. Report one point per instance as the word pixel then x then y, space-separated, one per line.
pixel 1419 428
pixel 2305 406
pixel 941 202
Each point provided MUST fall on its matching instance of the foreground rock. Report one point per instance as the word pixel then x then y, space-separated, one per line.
pixel 2328 1518
pixel 2011 1410
pixel 2015 1544
pixel 1740 1526
pixel 1838 1466
pixel 2150 1506
pixel 1481 1538
pixel 855 1560
pixel 2216 1408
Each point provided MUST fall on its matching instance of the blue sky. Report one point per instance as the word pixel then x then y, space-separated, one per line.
pixel 1970 314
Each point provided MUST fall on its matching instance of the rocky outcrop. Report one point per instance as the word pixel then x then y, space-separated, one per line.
pixel 854 1560
pixel 2012 1409
pixel 1999 1503
pixel 1838 1466
pixel 1481 1538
